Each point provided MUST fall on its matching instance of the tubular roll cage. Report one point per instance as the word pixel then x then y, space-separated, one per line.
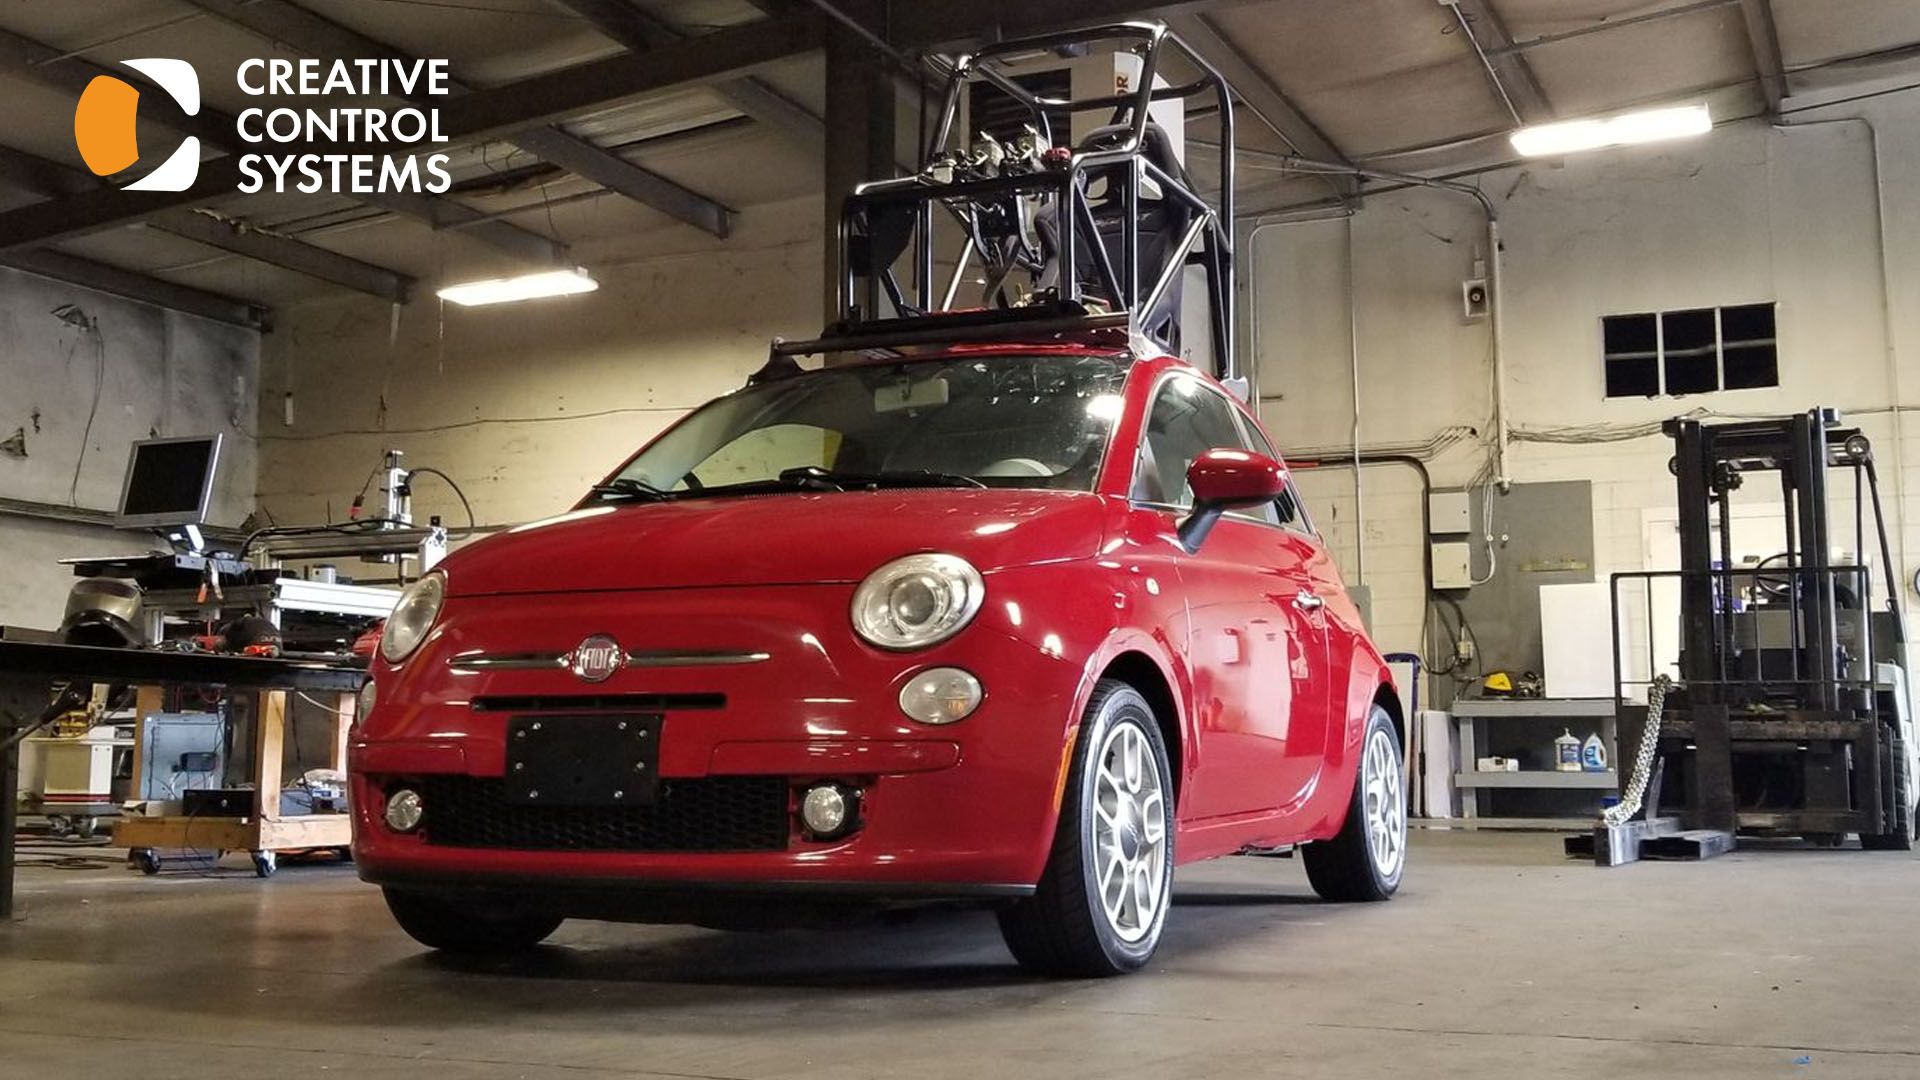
pixel 1140 297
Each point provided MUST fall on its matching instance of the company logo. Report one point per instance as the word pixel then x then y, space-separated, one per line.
pixel 104 124
pixel 596 659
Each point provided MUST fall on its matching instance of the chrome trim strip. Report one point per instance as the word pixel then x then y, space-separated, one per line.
pixel 559 661
pixel 694 659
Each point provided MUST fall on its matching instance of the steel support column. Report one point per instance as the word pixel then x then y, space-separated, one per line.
pixel 860 136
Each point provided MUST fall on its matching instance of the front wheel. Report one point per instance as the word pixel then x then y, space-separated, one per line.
pixel 440 923
pixel 1364 861
pixel 1901 836
pixel 1102 901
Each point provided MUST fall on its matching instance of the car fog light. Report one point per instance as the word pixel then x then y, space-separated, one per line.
pixel 830 811
pixel 941 695
pixel 404 810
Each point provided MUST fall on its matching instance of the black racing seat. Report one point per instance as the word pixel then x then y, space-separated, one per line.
pixel 1163 221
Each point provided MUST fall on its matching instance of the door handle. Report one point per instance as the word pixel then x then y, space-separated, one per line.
pixel 1308 600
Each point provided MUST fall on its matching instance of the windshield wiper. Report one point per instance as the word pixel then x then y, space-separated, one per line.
pixel 627 487
pixel 817 478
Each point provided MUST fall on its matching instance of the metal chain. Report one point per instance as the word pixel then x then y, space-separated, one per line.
pixel 1636 792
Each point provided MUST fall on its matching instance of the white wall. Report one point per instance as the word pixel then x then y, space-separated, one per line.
pixel 526 404
pixel 156 372
pixel 1750 213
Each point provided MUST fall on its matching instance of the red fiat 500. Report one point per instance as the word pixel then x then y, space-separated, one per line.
pixel 1022 627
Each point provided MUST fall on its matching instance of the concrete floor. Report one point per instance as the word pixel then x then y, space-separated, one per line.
pixel 1498 958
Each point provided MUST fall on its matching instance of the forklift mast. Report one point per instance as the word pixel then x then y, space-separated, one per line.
pixel 1024 234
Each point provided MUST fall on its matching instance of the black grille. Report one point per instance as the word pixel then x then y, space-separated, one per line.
pixel 718 813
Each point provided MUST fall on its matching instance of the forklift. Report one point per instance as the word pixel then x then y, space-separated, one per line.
pixel 1786 711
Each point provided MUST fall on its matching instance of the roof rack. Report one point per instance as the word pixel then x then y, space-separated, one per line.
pixel 1086 242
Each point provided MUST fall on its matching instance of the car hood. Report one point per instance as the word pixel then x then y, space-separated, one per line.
pixel 788 538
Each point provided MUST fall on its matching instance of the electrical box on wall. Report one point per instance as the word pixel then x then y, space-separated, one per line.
pixel 1449 513
pixel 1452 564
pixel 1473 299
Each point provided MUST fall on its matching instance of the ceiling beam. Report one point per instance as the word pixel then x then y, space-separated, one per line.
pixel 1259 96
pixel 1508 71
pixel 928 25
pixel 53 180
pixel 133 285
pixel 48 66
pixel 706 60
pixel 1763 37
pixel 483 114
pixel 639 31
pixel 319 37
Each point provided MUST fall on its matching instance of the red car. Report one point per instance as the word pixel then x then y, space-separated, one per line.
pixel 1017 626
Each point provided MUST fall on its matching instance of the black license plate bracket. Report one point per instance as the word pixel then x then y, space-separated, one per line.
pixel 583 760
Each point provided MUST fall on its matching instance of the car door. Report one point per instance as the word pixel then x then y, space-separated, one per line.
pixel 1253 647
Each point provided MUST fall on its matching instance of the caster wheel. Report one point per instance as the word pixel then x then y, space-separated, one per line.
pixel 58 825
pixel 86 827
pixel 344 853
pixel 265 863
pixel 147 859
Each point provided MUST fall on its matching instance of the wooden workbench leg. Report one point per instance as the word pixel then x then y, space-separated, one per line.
pixel 269 748
pixel 147 700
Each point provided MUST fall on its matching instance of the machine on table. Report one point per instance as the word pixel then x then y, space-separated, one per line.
pixel 1789 714
pixel 155 620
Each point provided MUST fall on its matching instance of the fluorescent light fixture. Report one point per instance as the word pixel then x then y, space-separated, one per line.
pixel 524 287
pixel 1649 125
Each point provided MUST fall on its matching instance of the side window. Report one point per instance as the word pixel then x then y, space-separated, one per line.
pixel 1284 510
pixel 1187 420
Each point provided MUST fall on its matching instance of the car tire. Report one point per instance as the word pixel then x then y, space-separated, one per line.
pixel 1102 901
pixel 1365 860
pixel 447 925
pixel 1901 836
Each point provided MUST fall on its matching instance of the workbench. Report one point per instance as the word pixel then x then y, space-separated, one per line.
pixel 29 670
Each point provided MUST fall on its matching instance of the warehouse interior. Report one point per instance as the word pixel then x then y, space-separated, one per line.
pixel 1485 367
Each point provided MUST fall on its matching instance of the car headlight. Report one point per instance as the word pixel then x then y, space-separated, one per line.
pixel 412 617
pixel 912 603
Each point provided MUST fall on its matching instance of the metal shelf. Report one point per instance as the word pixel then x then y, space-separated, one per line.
pixel 1535 708
pixel 1538 778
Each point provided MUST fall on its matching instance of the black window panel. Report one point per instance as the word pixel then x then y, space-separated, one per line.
pixel 1630 334
pixel 1747 323
pixel 1687 331
pixel 1633 376
pixel 1750 366
pixel 1690 345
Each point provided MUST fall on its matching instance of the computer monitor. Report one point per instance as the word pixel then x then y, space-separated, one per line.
pixel 169 483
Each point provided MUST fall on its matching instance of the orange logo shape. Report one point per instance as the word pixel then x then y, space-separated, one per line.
pixel 104 124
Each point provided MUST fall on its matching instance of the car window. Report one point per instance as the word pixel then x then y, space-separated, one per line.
pixel 1187 420
pixel 998 420
pixel 763 453
pixel 1286 509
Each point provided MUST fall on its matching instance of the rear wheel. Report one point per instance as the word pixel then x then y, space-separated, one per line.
pixel 1364 861
pixel 1102 902
pixel 440 923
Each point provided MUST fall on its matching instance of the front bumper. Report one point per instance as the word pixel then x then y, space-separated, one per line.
pixel 962 810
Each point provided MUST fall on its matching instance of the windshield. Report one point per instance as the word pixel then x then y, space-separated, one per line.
pixel 988 421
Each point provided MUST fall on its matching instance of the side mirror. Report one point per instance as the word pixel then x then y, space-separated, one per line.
pixel 1223 480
